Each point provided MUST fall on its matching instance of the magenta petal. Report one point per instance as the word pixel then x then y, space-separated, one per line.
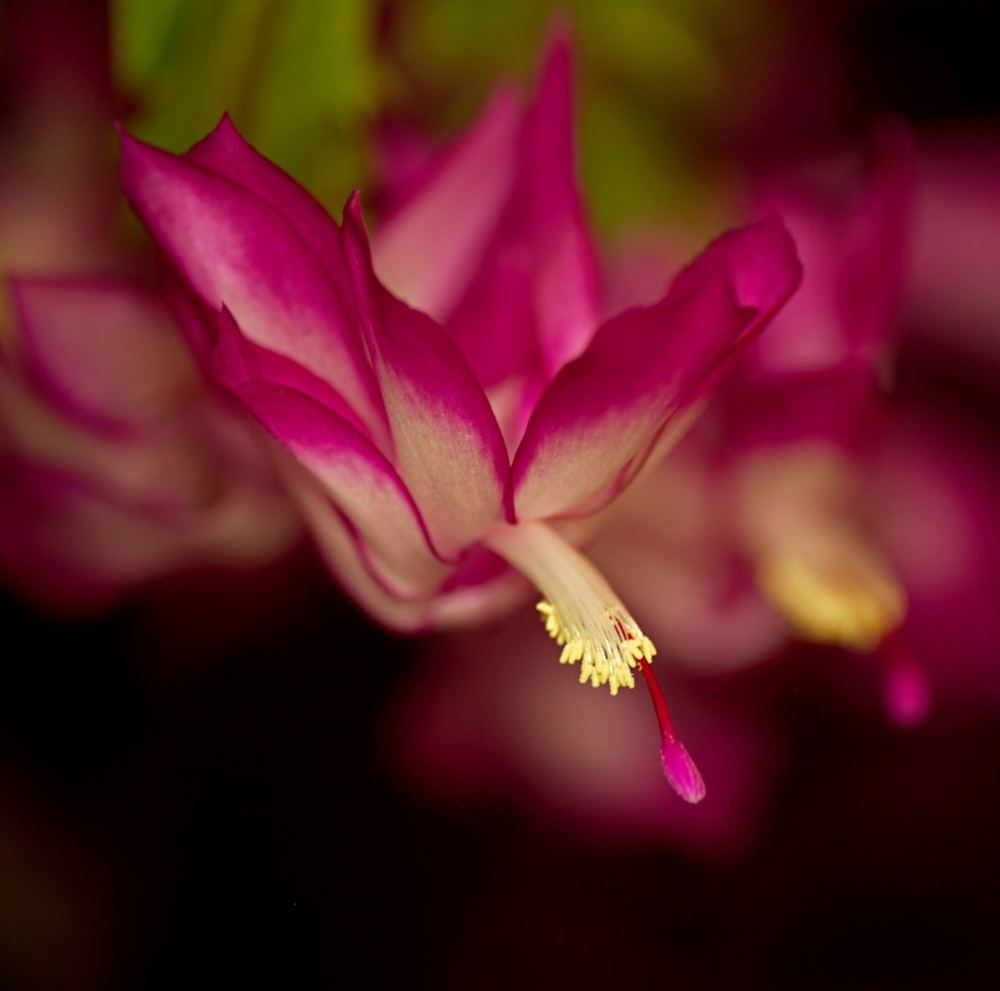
pixel 852 232
pixel 533 304
pixel 103 351
pixel 879 236
pixel 601 413
pixel 225 152
pixel 494 326
pixel 236 360
pixel 448 446
pixel 427 252
pixel 567 280
pixel 347 559
pixel 356 477
pixel 236 250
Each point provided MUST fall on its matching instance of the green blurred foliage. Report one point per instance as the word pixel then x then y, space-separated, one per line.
pixel 297 76
pixel 655 78
pixel 305 80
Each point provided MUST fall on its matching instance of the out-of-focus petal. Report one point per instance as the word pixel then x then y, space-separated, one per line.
pixel 426 253
pixel 105 352
pixel 84 549
pixel 159 469
pixel 953 294
pixel 851 226
pixel 876 250
pixel 533 304
pixel 448 446
pixel 832 405
pixel 238 251
pixel 603 411
pixel 567 292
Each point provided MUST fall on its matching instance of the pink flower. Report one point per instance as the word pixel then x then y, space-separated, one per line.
pixel 808 414
pixel 440 453
pixel 118 466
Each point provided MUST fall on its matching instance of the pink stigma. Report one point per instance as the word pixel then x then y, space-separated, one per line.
pixel 680 770
pixel 906 690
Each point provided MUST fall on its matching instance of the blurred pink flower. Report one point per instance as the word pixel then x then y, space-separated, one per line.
pixel 486 430
pixel 805 413
pixel 118 465
pixel 952 294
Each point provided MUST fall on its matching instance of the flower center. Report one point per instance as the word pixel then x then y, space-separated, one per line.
pixel 583 614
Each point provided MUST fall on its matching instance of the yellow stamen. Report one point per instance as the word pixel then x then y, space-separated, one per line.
pixel 580 610
pixel 608 649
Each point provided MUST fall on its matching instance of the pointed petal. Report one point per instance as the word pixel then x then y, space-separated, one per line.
pixel 567 292
pixel 236 250
pixel 448 447
pixel 604 410
pixel 228 154
pixel 427 252
pixel 534 302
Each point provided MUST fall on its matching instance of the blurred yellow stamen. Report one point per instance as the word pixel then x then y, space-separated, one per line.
pixel 839 592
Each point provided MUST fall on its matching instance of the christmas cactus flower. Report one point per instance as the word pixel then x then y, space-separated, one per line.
pixel 454 415
pixel 118 466
pixel 807 414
